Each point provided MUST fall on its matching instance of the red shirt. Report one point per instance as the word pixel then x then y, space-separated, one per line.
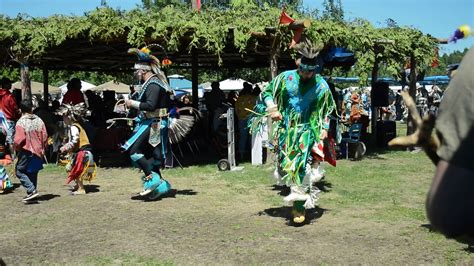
pixel 8 105
pixel 73 97
pixel 30 135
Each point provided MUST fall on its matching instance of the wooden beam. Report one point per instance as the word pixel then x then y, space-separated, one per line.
pixel 194 78
pixel 300 24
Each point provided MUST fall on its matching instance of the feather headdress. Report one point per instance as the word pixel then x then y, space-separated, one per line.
pixel 309 54
pixel 149 62
pixel 76 112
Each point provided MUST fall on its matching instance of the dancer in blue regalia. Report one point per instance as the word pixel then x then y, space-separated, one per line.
pixel 151 130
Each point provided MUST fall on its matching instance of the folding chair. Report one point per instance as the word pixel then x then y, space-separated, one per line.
pixel 353 136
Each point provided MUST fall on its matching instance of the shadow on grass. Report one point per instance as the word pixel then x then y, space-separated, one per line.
pixel 284 190
pixel 285 212
pixel 92 188
pixel 322 185
pixel 171 194
pixel 10 190
pixel 468 240
pixel 47 197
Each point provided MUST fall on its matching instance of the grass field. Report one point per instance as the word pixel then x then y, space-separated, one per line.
pixel 371 212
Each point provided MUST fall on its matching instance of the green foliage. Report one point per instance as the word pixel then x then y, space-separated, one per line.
pixel 169 23
pixel 445 60
pixel 333 10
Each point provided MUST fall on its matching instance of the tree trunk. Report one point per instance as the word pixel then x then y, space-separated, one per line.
pixel 45 85
pixel 25 82
pixel 412 91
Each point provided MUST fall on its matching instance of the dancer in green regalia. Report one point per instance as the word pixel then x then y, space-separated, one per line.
pixel 299 102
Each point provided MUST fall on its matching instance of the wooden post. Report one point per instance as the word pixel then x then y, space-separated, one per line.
pixel 265 135
pixel 375 71
pixel 194 78
pixel 412 91
pixel 45 85
pixel 25 82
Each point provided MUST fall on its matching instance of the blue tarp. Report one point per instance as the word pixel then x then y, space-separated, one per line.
pixel 435 79
pixel 180 83
pixel 338 57
pixel 182 86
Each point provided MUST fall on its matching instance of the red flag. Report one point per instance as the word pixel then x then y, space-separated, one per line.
pixel 196 4
pixel 435 62
pixel 284 18
pixel 296 37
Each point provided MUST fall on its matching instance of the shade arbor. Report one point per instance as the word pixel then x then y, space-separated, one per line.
pixel 245 35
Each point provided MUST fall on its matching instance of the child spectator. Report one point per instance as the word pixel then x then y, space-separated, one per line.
pixel 30 142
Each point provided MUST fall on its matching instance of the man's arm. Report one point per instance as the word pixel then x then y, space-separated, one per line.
pixel 152 94
pixel 20 138
pixel 268 94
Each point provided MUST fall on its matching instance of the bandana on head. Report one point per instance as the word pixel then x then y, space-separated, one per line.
pixel 141 66
pixel 146 61
pixel 149 62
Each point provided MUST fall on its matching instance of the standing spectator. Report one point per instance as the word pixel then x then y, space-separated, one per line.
pixel 10 110
pixel 398 105
pixel 73 95
pixel 256 90
pixel 214 99
pixel 30 142
pixel 246 100
pixel 133 94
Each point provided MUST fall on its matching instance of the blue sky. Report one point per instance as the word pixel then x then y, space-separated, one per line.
pixel 439 18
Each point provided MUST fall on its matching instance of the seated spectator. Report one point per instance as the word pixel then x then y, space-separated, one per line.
pixel 73 94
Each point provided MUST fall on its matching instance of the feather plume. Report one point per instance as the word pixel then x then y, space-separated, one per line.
pixel 75 112
pixel 307 49
pixel 181 126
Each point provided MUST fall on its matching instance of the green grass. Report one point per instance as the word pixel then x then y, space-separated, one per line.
pixel 372 212
pixel 127 259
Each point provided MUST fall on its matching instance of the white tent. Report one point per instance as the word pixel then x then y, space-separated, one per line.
pixel 37 88
pixel 118 87
pixel 84 86
pixel 232 84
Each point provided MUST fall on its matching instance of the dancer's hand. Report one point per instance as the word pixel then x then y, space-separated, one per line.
pixel 276 116
pixel 63 149
pixel 324 134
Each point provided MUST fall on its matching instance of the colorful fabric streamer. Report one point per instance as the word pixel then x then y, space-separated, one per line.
pixel 461 33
